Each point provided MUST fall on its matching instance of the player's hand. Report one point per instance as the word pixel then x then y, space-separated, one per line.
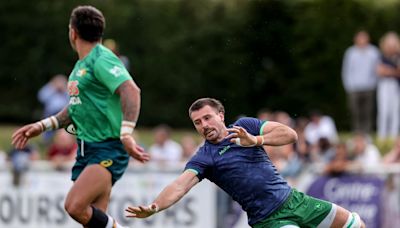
pixel 241 137
pixel 23 134
pixel 134 150
pixel 141 211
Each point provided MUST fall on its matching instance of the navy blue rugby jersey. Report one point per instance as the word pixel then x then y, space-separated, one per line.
pixel 245 173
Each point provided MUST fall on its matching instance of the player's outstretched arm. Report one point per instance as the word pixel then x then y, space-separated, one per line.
pixel 129 94
pixel 168 197
pixel 23 134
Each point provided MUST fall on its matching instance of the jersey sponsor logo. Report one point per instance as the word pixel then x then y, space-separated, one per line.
pixel 75 101
pixel 226 148
pixel 106 163
pixel 81 72
pixel 116 71
pixel 73 89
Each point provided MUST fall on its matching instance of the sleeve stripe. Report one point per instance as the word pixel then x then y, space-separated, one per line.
pixel 262 127
pixel 193 171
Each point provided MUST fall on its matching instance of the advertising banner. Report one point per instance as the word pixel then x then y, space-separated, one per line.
pixel 361 194
pixel 39 202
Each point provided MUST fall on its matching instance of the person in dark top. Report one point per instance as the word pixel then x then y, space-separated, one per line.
pixel 20 161
pixel 234 159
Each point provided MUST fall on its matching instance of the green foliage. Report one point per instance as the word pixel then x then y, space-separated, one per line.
pixel 284 55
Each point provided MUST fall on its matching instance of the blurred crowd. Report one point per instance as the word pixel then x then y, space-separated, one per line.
pixel 370 75
pixel 319 146
pixel 371 79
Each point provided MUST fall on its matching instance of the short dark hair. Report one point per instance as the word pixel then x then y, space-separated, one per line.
pixel 88 22
pixel 200 103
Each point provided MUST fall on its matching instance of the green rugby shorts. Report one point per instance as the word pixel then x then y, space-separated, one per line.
pixel 110 154
pixel 299 210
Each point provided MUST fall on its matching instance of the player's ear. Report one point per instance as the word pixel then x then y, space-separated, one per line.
pixel 72 33
pixel 222 116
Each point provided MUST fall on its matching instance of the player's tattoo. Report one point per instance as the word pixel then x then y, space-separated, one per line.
pixel 130 100
pixel 63 118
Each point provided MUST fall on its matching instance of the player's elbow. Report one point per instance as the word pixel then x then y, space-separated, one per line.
pixel 137 89
pixel 293 136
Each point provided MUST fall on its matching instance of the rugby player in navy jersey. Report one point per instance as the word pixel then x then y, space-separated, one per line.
pixel 234 159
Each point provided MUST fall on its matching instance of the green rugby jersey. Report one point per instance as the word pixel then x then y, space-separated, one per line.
pixel 94 107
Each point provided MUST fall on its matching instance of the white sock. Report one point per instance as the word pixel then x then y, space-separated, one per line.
pixel 112 223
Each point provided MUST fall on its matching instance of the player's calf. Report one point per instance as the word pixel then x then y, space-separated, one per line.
pixel 100 219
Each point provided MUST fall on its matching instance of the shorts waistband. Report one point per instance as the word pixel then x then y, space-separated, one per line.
pixel 105 140
pixel 286 201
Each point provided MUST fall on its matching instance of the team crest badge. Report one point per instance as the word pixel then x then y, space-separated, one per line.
pixel 81 72
pixel 106 163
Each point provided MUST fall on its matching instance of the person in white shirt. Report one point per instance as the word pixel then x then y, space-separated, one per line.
pixel 360 81
pixel 320 126
pixel 366 154
pixel 388 91
pixel 165 150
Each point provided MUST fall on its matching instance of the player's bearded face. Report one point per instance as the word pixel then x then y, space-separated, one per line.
pixel 209 123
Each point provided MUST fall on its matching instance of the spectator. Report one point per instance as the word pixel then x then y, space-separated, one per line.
pixel 165 150
pixel 365 153
pixel 265 114
pixel 189 147
pixel 54 97
pixel 292 166
pixel 388 94
pixel 359 80
pixel 20 162
pixel 62 151
pixel 340 162
pixel 302 146
pixel 284 118
pixel 324 152
pixel 113 46
pixel 320 126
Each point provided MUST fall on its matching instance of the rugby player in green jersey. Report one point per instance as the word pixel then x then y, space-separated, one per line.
pixel 104 107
